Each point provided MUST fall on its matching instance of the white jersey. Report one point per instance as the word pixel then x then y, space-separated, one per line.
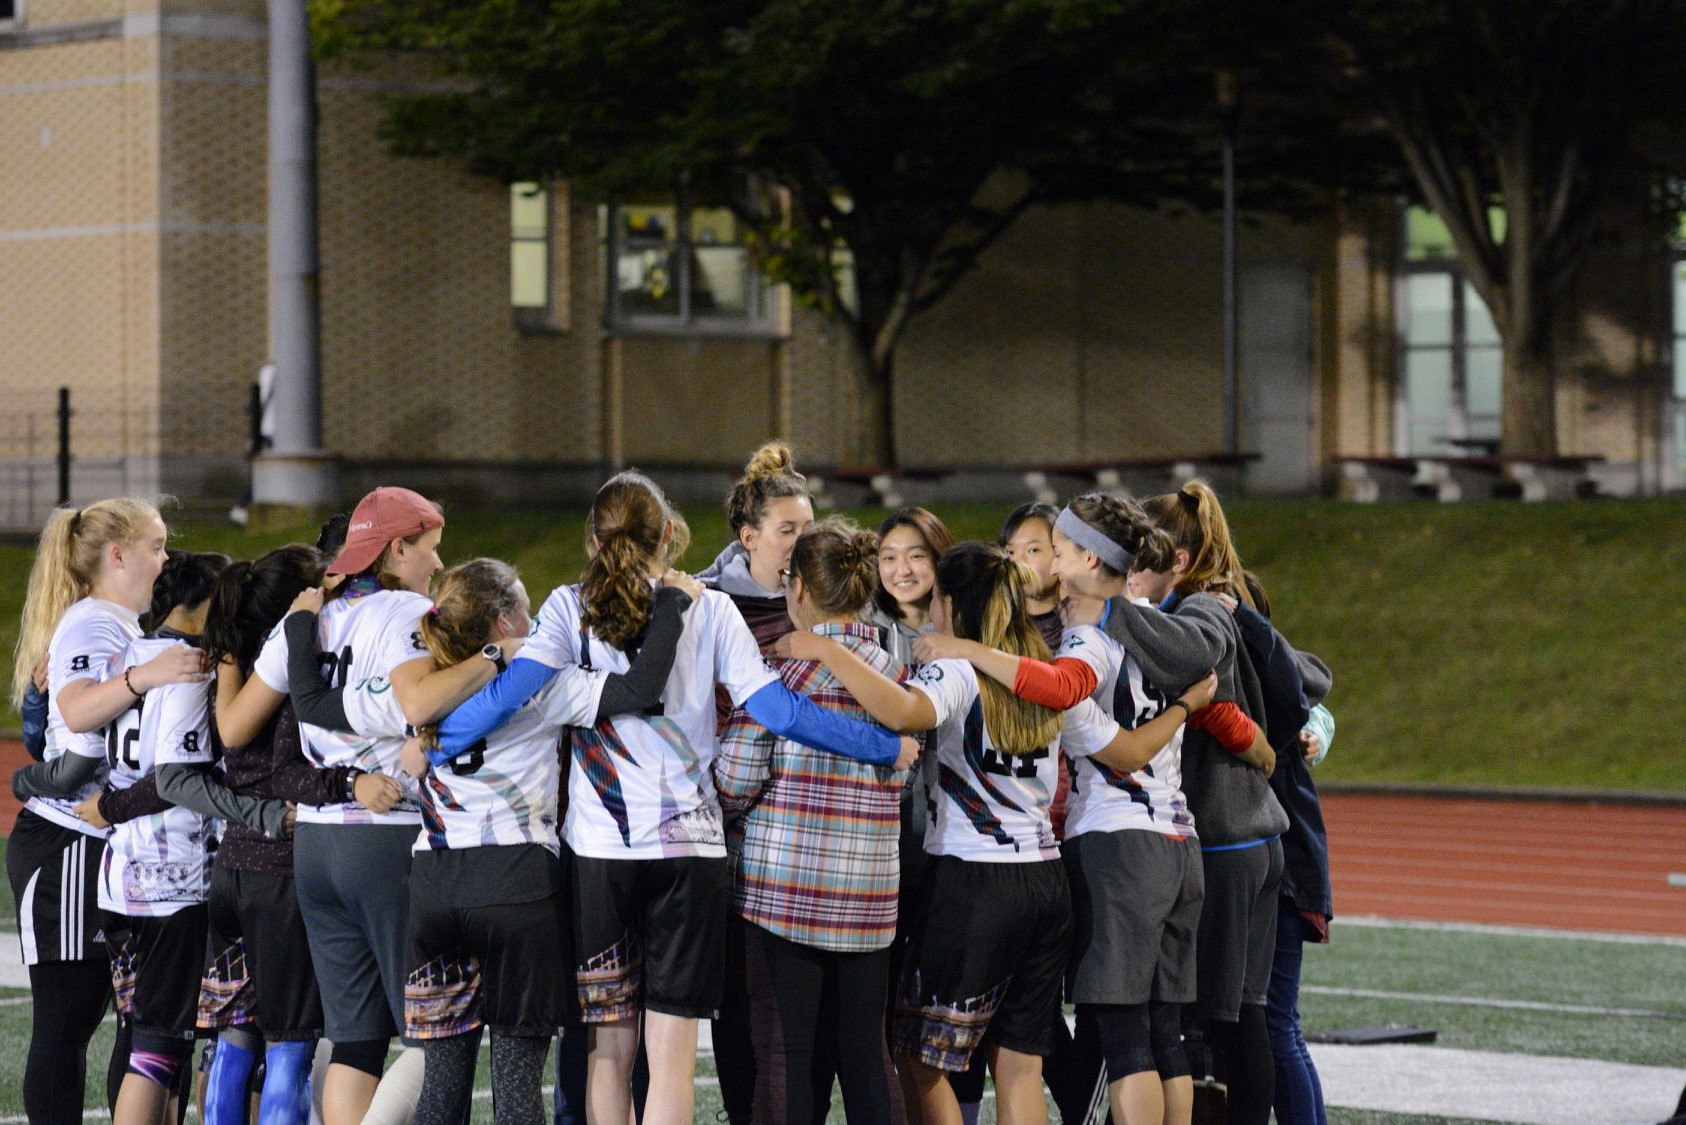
pixel 362 638
pixel 88 644
pixel 641 786
pixel 1104 799
pixel 155 865
pixel 502 790
pixel 988 806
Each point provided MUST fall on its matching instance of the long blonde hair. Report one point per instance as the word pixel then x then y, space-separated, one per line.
pixel 988 592
pixel 67 563
pixel 1196 522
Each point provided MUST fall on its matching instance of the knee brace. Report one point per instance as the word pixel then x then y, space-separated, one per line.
pixel 1165 1024
pixel 158 1058
pixel 230 1074
pixel 1126 1039
pixel 366 1055
pixel 286 1083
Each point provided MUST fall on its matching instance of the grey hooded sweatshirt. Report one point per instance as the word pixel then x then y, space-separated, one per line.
pixel 1232 802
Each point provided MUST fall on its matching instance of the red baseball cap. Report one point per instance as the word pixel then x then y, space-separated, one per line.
pixel 379 518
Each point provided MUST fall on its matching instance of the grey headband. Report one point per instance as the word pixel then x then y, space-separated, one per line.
pixel 1071 525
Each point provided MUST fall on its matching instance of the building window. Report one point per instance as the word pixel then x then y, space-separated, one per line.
pixel 1452 361
pixel 1677 401
pixel 677 267
pixel 11 13
pixel 538 274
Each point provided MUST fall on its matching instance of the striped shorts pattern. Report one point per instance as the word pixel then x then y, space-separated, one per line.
pixel 54 873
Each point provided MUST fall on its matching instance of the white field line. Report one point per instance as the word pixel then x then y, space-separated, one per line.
pixel 1486 1002
pixel 1377 922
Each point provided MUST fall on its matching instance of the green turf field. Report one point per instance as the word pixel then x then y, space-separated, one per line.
pixel 1525 994
pixel 1482 643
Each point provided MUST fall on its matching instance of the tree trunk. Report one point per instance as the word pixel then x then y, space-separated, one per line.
pixel 875 420
pixel 1529 390
pixel 1530 400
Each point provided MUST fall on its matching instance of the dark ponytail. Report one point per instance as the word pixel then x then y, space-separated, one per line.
pixel 186 581
pixel 251 597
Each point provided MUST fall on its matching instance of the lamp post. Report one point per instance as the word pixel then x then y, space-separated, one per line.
pixel 295 472
pixel 1228 92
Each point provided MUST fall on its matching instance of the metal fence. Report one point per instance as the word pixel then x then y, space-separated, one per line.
pixel 54 451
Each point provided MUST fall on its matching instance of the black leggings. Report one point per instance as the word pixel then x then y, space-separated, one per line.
pixel 800 996
pixel 69 999
pixel 1246 1065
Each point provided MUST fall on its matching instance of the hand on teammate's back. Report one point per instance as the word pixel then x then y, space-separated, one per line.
pixel 909 755
pixel 413 758
pixel 309 600
pixel 89 811
pixel 376 792
pixel 177 664
pixel 683 581
pixel 1201 693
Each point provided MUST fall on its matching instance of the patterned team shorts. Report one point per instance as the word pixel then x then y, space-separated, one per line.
pixel 986 960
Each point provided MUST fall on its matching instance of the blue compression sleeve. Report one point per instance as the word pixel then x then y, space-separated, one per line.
pixel 800 719
pixel 225 1086
pixel 286 1083
pixel 490 707
pixel 34 713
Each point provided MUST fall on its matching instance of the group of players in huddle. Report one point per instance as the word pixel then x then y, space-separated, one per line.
pixel 874 803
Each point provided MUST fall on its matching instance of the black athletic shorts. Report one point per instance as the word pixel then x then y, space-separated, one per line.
pixel 54 872
pixel 503 965
pixel 1237 941
pixel 155 964
pixel 1135 906
pixel 353 887
pixel 257 965
pixel 650 934
pixel 988 959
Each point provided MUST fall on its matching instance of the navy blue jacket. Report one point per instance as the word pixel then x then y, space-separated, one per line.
pixel 1293 683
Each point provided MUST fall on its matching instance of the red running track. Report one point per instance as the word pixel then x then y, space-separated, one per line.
pixel 1568 865
pixel 1600 867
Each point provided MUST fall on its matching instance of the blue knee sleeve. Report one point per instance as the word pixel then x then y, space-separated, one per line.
pixel 225 1086
pixel 286 1083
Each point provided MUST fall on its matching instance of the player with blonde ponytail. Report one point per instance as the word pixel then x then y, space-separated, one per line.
pixel 91 580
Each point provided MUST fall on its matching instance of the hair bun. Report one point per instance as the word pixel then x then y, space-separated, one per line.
pixel 771 460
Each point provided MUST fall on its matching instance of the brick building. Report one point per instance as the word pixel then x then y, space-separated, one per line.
pixel 495 344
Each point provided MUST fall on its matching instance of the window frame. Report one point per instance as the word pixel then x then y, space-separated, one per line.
pixel 760 319
pixel 15 21
pixel 553 315
pixel 1674 396
pixel 1458 415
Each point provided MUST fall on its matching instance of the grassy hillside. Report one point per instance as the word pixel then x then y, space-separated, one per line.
pixel 1478 644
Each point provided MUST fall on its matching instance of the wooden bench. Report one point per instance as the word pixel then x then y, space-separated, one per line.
pixel 1448 479
pixel 1050 483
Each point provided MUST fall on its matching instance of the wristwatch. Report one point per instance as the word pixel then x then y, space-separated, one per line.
pixel 494 653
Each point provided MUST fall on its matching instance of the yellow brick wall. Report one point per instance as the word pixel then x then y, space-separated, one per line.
pixel 79 240
pixel 44 13
pixel 213 274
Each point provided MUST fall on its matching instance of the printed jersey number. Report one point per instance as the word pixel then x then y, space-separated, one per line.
pixel 1012 765
pixel 121 738
pixel 336 669
pixel 470 760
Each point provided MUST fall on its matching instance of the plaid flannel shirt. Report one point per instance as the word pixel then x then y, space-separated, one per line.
pixel 813 835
